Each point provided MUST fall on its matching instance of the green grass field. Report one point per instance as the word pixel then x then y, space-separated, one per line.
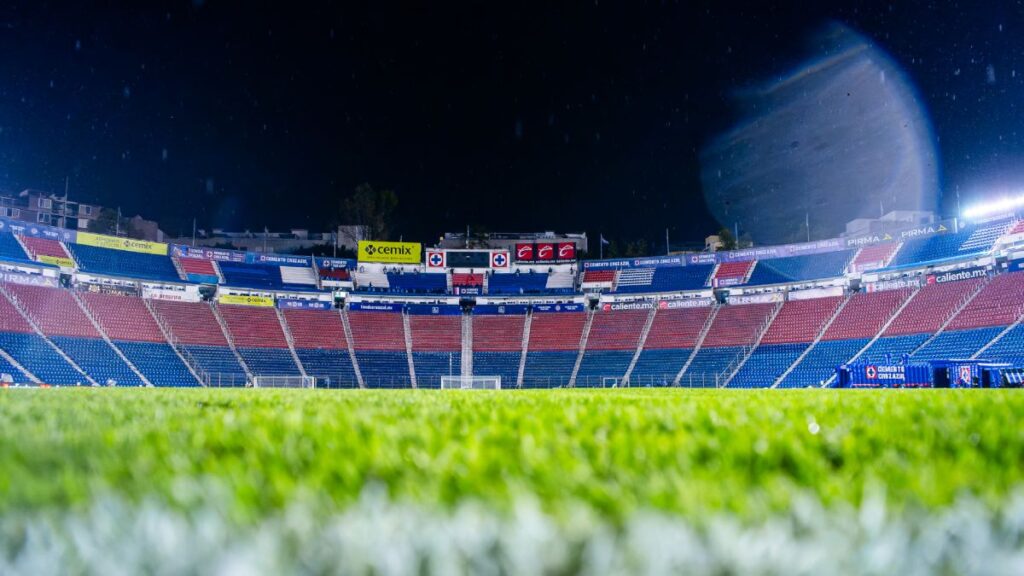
pixel 582 463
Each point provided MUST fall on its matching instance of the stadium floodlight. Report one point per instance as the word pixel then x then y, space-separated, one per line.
pixel 994 207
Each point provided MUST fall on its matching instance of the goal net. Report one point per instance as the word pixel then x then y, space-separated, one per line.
pixel 471 382
pixel 283 382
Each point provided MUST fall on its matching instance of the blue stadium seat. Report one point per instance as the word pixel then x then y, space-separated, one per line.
pixel 970 240
pixel 504 364
pixel 98 360
pixel 796 268
pixel 958 344
pixel 894 346
pixel 1009 348
pixel 124 263
pixel 269 361
pixel 766 364
pixel 158 363
pixel 430 366
pixel 384 368
pixel 820 363
pixel 658 367
pixel 548 369
pixel 251 275
pixel 521 283
pixel 332 368
pixel 597 365
pixel 10 249
pixel 418 283
pixel 39 358
pixel 708 366
pixel 218 363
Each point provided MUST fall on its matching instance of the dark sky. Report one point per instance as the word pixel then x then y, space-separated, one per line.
pixel 582 116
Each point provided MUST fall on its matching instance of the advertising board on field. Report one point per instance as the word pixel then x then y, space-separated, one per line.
pixel 383 252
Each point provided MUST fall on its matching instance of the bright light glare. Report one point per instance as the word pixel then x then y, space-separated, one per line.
pixel 994 207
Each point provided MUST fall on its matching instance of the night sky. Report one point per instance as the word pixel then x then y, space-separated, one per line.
pixel 519 117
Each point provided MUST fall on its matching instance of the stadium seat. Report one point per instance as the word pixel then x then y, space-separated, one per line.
pixel 436 348
pixel 124 263
pixel 379 342
pixel 553 347
pixel 10 249
pixel 798 268
pixel 611 344
pixel 321 346
pixel 498 347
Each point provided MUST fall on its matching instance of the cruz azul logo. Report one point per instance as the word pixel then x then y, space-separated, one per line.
pixel 499 260
pixel 435 259
pixel 871 372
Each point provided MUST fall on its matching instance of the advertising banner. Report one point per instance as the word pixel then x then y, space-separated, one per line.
pixel 886 376
pixel 292 304
pixel 433 310
pixel 157 293
pixel 955 275
pixel 524 253
pixel 649 262
pixel 127 244
pixel 549 308
pixel 28 279
pixel 499 259
pixel 435 259
pixel 118 289
pixel 499 309
pixel 617 306
pixel 375 306
pixel 545 251
pixel 282 259
pixel 247 300
pixel 389 252
pixel 883 285
pixel 815 293
pixel 37 230
pixel 218 254
pixel 56 261
pixel 1015 265
pixel 687 303
pixel 337 263
pixel 566 251
pixel 756 298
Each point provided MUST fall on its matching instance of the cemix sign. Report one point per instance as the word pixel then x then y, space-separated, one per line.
pixel 389 252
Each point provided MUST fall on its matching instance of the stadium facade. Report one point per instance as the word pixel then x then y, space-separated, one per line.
pixel 84 309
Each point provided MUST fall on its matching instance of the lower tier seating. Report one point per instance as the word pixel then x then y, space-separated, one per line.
pixel 39 358
pixel 158 363
pixel 98 360
pixel 430 366
pixel 548 369
pixel 659 367
pixel 709 366
pixel 766 364
pixel 504 364
pixel 1009 348
pixel 957 344
pixel 384 368
pixel 17 377
pixel 217 364
pixel 332 368
pixel 820 363
pixel 269 361
pixel 598 366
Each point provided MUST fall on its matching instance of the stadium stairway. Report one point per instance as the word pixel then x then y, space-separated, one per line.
pixel 467 344
pixel 525 347
pixel 582 347
pixel 407 335
pixel 322 346
pixel 698 344
pixel 978 287
pixel 290 341
pixel 231 342
pixel 175 346
pixel 757 342
pixel 347 327
pixel 644 332
pixel 668 344
pixel 814 343
pixel 103 334
pixel 612 343
pixel 552 349
pixel 498 346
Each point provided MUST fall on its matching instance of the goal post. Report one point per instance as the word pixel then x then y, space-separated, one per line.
pixel 471 382
pixel 283 382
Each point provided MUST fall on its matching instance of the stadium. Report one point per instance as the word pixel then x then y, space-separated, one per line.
pixel 358 288
pixel 135 313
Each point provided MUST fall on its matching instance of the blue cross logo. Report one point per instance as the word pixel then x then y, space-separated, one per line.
pixel 435 259
pixel 499 259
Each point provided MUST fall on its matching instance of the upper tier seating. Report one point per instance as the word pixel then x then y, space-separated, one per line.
pixel 666 279
pixel 418 282
pixel 253 276
pixel 44 247
pixel 731 273
pixel 9 247
pixel 598 276
pixel 932 306
pixel 124 263
pixel 199 270
pixel 795 268
pixel 738 325
pixel 999 303
pixel 517 283
pixel 865 314
pixel 336 274
pixel 1016 228
pixel 298 276
pixel 253 326
pixel 371 281
pixel 463 279
pixel 971 239
pixel 801 320
pixel 875 256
